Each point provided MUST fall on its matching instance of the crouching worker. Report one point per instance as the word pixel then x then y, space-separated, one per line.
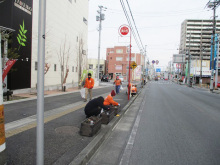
pixel 94 107
pixel 109 100
pixel 133 89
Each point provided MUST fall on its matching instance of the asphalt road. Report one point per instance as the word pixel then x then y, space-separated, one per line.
pixel 62 140
pixel 24 109
pixel 178 126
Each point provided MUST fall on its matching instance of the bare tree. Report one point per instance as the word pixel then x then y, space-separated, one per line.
pixel 63 56
pixel 81 59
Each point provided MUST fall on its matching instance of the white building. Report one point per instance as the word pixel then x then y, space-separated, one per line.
pixel 66 29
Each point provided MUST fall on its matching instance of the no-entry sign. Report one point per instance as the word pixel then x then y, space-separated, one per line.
pixel 123 30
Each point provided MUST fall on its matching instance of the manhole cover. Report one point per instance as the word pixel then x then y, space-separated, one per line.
pixel 67 130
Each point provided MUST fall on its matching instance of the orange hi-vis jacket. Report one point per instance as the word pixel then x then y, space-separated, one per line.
pixel 109 101
pixel 134 89
pixel 89 83
pixel 117 82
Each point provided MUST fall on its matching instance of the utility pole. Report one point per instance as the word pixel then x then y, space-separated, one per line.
pixel 213 5
pixel 217 54
pixel 189 63
pixel 201 59
pixel 99 18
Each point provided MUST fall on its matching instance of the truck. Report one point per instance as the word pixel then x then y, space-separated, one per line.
pixel 165 75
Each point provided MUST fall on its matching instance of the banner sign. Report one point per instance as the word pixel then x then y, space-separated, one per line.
pixel 215 51
pixel 7 68
pixel 158 69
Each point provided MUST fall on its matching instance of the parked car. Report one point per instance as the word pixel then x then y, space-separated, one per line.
pixel 156 79
pixel 105 78
pixel 121 78
pixel 218 84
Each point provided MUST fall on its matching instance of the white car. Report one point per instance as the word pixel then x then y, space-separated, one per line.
pixel 121 78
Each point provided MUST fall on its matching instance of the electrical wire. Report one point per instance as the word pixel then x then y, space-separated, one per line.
pixel 135 24
pixel 129 22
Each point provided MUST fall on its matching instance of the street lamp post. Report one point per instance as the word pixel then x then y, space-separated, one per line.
pixel 40 82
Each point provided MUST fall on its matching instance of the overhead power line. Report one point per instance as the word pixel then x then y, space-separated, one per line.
pixel 135 24
pixel 137 39
pixel 129 22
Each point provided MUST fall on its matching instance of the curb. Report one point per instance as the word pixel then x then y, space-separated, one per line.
pixel 85 155
pixel 45 96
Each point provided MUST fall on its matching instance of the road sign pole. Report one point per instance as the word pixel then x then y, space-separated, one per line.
pixel 129 77
pixel 40 82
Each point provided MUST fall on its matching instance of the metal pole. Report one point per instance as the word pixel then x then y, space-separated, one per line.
pixel 129 78
pixel 2 124
pixel 145 54
pixel 189 63
pixel 201 58
pixel 216 71
pixel 40 82
pixel 100 28
pixel 213 48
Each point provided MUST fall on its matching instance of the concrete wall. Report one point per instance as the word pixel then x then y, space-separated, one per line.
pixel 64 26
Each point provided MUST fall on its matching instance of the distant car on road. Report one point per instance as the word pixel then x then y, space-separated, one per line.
pixel 121 78
pixel 156 79
pixel 105 78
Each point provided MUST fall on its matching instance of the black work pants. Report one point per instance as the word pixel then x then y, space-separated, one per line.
pixel 93 112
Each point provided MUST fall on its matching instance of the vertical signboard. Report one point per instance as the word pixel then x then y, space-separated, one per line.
pixel 17 15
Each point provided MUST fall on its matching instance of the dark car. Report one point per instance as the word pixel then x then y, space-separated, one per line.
pixel 105 78
pixel 156 79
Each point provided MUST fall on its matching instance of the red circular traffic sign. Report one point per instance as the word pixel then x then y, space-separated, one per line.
pixel 123 30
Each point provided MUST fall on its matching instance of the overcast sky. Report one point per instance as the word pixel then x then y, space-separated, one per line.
pixel 158 22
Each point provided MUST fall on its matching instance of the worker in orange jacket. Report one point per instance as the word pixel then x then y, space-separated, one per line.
pixel 89 84
pixel 133 89
pixel 117 84
pixel 109 99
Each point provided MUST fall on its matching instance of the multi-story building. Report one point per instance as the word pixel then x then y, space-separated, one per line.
pixel 196 38
pixel 196 41
pixel 65 38
pixel 117 60
pixel 93 65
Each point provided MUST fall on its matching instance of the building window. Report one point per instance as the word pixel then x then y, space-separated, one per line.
pixel 73 69
pixel 112 51
pixel 35 65
pixel 119 58
pixel 55 67
pixel 111 58
pixel 70 1
pixel 118 67
pixel 132 59
pixel 90 66
pixel 101 67
pixel 85 21
pixel 119 51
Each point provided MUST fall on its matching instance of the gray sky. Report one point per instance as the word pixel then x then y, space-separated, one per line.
pixel 158 22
